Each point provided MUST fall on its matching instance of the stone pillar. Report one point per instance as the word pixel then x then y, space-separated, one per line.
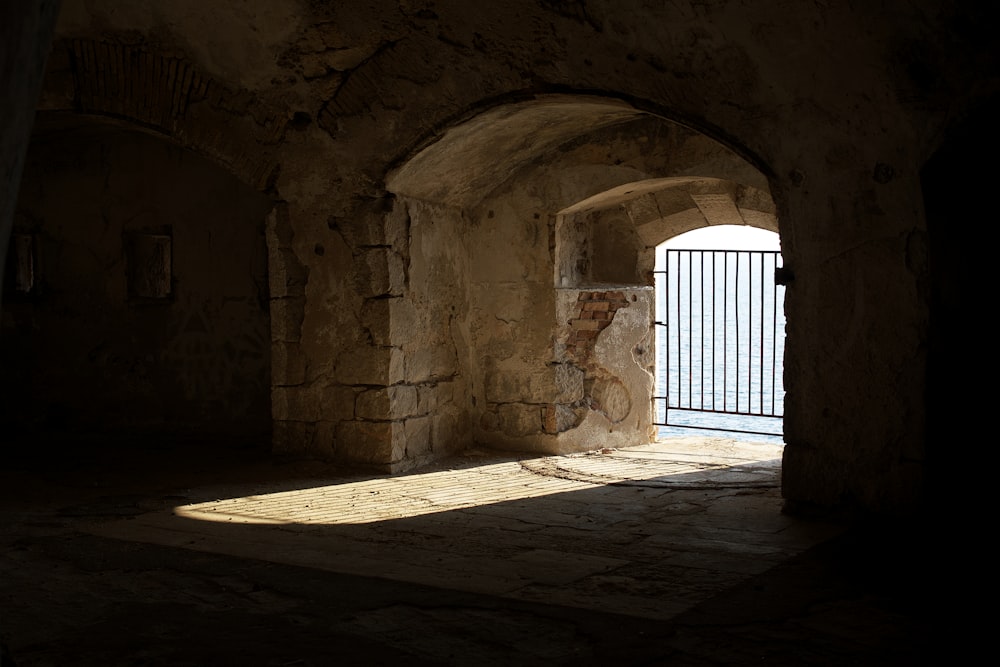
pixel 855 347
pixel 293 425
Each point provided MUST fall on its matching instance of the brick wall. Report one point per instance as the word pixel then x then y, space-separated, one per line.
pixel 594 312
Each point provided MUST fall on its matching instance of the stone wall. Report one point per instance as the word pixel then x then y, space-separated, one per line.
pixel 830 109
pixel 149 302
pixel 541 376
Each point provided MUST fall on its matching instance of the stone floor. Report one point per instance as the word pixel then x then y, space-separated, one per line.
pixel 675 553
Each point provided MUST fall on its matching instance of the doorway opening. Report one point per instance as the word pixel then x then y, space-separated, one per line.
pixel 719 334
pixel 143 316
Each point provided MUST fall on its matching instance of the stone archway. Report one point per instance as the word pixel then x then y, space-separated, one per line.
pixel 167 94
pixel 147 308
pixel 610 237
pixel 141 95
pixel 533 208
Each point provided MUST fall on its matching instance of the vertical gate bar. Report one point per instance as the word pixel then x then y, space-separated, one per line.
pixel 725 331
pixel 750 333
pixel 690 257
pixel 774 336
pixel 761 374
pixel 701 325
pixel 666 322
pixel 736 307
pixel 712 287
pixel 680 330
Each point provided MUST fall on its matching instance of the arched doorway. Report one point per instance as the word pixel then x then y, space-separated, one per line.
pixel 142 304
pixel 533 229
pixel 720 334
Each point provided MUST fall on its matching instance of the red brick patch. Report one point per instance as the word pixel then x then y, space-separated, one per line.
pixel 595 311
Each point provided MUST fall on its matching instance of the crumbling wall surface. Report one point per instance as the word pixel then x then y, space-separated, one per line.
pixel 837 104
pixel 550 376
pixel 424 403
pixel 839 139
pixel 608 334
pixel 590 388
pixel 100 343
pixel 511 317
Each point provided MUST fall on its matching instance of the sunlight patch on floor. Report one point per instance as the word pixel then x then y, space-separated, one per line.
pixel 372 500
pixel 388 498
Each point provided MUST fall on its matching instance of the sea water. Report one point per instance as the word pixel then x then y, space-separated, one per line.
pixel 719 344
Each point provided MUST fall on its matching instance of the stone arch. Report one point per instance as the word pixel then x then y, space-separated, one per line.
pixel 167 94
pixel 112 81
pixel 536 358
pixel 154 257
pixel 611 237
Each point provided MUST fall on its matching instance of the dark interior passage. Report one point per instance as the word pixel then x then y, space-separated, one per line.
pixel 143 304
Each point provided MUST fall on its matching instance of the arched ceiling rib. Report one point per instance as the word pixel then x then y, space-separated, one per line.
pixel 472 158
pixel 658 206
pixel 627 156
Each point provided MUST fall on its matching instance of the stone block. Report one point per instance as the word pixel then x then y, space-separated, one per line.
pixel 287 276
pixel 288 364
pixel 278 227
pixel 370 231
pixel 549 419
pixel 553 383
pixel 337 402
pixel 489 421
pixel 389 321
pixel 376 318
pixel 446 434
pixel 596 306
pixel 428 398
pixel 372 404
pixel 568 383
pixel 286 319
pixel 396 267
pixel 568 417
pixel 295 404
pixel 520 419
pixel 370 365
pixel 323 438
pixel 381 272
pixel 433 397
pixel 404 400
pixel 504 386
pixel 371 443
pixel 559 418
pixel 431 363
pixel 397 227
pixel 404 321
pixel 290 437
pixel 417 433
pixel 397 366
pixel 395 402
